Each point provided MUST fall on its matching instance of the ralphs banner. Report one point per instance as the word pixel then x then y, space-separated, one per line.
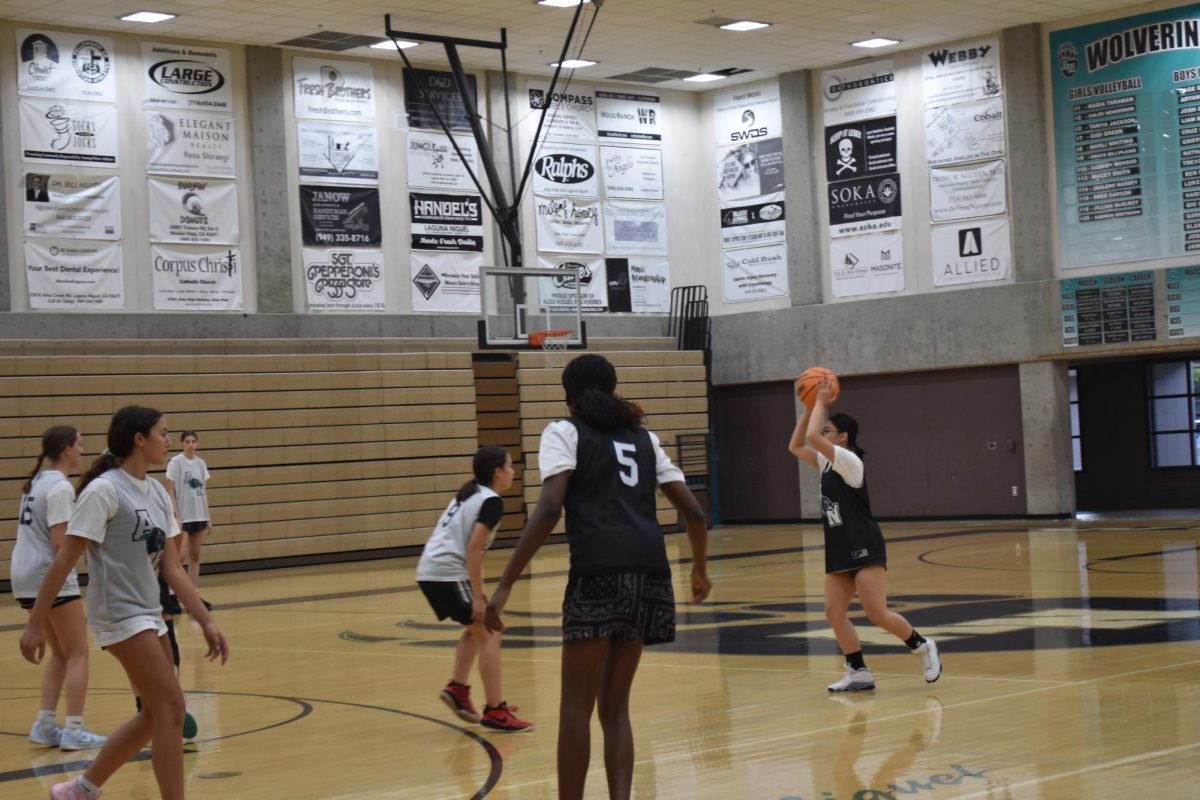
pixel 565 169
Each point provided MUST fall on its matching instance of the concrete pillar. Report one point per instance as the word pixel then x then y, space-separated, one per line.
pixel 1028 165
pixel 269 132
pixel 1046 421
pixel 802 182
pixel 6 300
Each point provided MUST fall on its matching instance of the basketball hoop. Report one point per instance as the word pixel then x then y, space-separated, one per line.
pixel 554 345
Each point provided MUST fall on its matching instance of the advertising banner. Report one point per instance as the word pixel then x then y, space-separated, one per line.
pixel 68 132
pixel 632 173
pixel 193 211
pixel 340 216
pixel 568 226
pixel 559 293
pixel 866 205
pixel 343 281
pixel 425 89
pixel 962 72
pixel 196 278
pixel 967 192
pixel 635 228
pixel 867 264
pixel 334 90
pixel 757 221
pixel 433 163
pixel 73 206
pixel 860 149
pixel 342 152
pixel 857 92
pixel 65 66
pixel 755 273
pixel 186 76
pixel 180 142
pixel 625 115
pixel 644 280
pixel 966 132
pixel 565 169
pixel 571 114
pixel 445 282
pixel 446 222
pixel 68 274
pixel 978 251
pixel 750 170
pixel 747 114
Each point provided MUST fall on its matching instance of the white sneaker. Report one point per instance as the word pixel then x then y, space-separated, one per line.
pixel 931 665
pixel 45 733
pixel 80 739
pixel 855 680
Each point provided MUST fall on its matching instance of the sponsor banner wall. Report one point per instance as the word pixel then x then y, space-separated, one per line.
pixel 70 274
pixel 65 66
pixel 446 221
pixel 756 221
pixel 571 114
pixel 445 282
pixel 962 72
pixel 559 293
pixel 83 206
pixel 340 216
pixel 649 283
pixel 635 228
pixel 632 173
pixel 625 115
pixel 68 132
pixel 864 206
pixel 966 192
pixel 433 162
pixel 565 169
pixel 181 142
pixel 193 211
pixel 567 225
pixel 966 132
pixel 186 76
pixel 335 90
pixel 426 88
pixel 867 264
pixel 858 92
pixel 860 149
pixel 196 278
pixel 747 114
pixel 339 151
pixel 750 170
pixel 755 273
pixel 343 280
pixel 971 252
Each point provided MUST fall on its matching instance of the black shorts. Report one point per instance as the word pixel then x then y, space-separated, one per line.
pixel 623 605
pixel 27 602
pixel 449 599
pixel 199 526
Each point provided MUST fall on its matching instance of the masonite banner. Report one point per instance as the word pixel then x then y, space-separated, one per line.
pixel 978 251
pixel 859 149
pixel 68 274
pixel 867 264
pixel 342 152
pixel 65 66
pixel 186 76
pixel 625 115
pixel 757 221
pixel 73 206
pixel 196 278
pixel 445 282
pixel 426 88
pixel 965 132
pixel 181 142
pixel 633 228
pixel 566 225
pixel 572 111
pixel 191 211
pixel 967 192
pixel 961 73
pixel 632 173
pixel 565 169
pixel 342 280
pixel 340 216
pixel 558 294
pixel 446 222
pixel 750 170
pixel 755 273
pixel 68 132
pixel 867 205
pixel 433 162
pixel 862 91
pixel 333 90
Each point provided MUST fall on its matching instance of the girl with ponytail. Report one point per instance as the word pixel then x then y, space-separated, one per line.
pixel 46 503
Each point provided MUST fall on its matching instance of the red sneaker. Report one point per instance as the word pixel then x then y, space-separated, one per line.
pixel 458 697
pixel 502 718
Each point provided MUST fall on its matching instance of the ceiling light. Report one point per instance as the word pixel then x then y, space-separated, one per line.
pixel 574 63
pixel 147 16
pixel 388 44
pixel 875 41
pixel 745 25
pixel 705 77
pixel 560 3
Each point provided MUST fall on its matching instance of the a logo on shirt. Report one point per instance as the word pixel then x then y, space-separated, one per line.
pixel 155 537
pixel 832 512
pixel 859 554
pixel 193 483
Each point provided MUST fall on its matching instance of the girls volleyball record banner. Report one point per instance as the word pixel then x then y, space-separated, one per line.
pixel 1126 100
pixel 347 153
pixel 433 162
pixel 196 278
pixel 179 76
pixel 343 280
pixel 445 282
pixel 335 90
pixel 180 142
pixel 571 114
pixel 71 274
pixel 867 264
pixel 68 132
pixel 193 212
pixel 756 273
pixel 632 173
pixel 65 66
pixel 83 206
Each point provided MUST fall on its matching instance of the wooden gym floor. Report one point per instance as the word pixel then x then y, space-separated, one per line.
pixel 1071 653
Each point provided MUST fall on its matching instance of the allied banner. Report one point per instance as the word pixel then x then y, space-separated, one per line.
pixel 966 132
pixel 426 89
pixel 625 115
pixel 343 280
pixel 568 226
pixel 961 73
pixel 978 251
pixel 184 76
pixel 867 205
pixel 193 211
pixel 558 294
pixel 433 162
pixel 68 274
pixel 73 206
pixel 196 278
pixel 757 221
pixel 446 222
pixel 565 169
pixel 632 173
pixel 65 66
pixel 570 112
pixel 859 149
pixel 867 264
pixel 747 114
pixel 445 282
pixel 180 142
pixel 340 216
pixel 68 132
pixel 861 91
pixel 750 170
pixel 966 192
pixel 333 150
pixel 755 273
pixel 335 90
pixel 632 228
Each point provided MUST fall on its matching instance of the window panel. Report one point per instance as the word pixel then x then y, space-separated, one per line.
pixel 1170 378
pixel 1073 386
pixel 1074 419
pixel 1173 450
pixel 1171 414
pixel 1076 455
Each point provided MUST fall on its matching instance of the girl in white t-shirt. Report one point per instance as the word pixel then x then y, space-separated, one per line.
pixel 46 503
pixel 187 475
pixel 125 521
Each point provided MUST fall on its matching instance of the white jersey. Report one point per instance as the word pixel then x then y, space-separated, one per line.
pixel 445 555
pixel 189 477
pixel 48 503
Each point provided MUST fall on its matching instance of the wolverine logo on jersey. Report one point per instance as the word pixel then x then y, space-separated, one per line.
pixel 832 512
pixel 193 483
pixel 154 536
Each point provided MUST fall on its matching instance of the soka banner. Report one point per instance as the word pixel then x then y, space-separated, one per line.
pixel 570 114
pixel 433 163
pixel 622 115
pixel 747 114
pixel 757 221
pixel 65 274
pixel 193 211
pixel 558 294
pixel 182 142
pixel 65 66
pixel 966 192
pixel 965 132
pixel 862 91
pixel 756 273
pixel 343 280
pixel 338 90
pixel 867 264
pixel 866 205
pixel 632 173
pixel 183 76
pixel 82 206
pixel 196 278
pixel 565 169
pixel 347 153
pixel 750 170
pixel 444 282
pixel 68 132
pixel 568 226
pixel 340 216
pixel 446 222
pixel 644 281
pixel 971 252
pixel 633 228
pixel 956 74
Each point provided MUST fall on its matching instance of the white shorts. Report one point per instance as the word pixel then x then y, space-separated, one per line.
pixel 106 635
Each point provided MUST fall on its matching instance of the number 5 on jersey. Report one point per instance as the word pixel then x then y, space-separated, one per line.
pixel 624 453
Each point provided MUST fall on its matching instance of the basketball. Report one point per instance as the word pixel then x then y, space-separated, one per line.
pixel 810 380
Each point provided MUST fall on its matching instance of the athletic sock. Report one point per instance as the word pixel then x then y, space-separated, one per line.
pixel 914 641
pixel 855 660
pixel 74 723
pixel 455 683
pixel 87 787
pixel 46 716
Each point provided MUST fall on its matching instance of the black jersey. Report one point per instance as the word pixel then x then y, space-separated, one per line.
pixel 852 537
pixel 612 524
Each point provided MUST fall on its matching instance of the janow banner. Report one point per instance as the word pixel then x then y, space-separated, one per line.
pixel 565 169
pixel 180 142
pixel 570 111
pixel 433 162
pixel 558 293
pixel 76 206
pixel 568 226
pixel 193 211
pixel 335 90
pixel 867 264
pixel 747 114
pixel 445 282
pixel 979 251
pixel 862 91
pixel 186 76
pixel 68 132
pixel 755 273
pixel 65 66
pixel 632 173
pixel 347 153
pixel 343 280
pixel 196 278
pixel 67 274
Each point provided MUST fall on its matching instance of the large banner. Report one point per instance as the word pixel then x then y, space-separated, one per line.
pixel 966 192
pixel 73 206
pixel 343 280
pixel 867 205
pixel 340 216
pixel 757 221
pixel 632 173
pixel 966 132
pixel 747 114
pixel 750 170
pixel 183 76
pixel 433 162
pixel 196 278
pixel 568 226
pixel 632 228
pixel 336 90
pixel 755 273
pixel 65 66
pixel 425 89
pixel 68 132
pixel 623 115
pixel 347 153
pixel 858 92
pixel 180 142
pixel 978 251
pixel 193 211
pixel 964 72
pixel 565 169
pixel 559 293
pixel 71 274
pixel 445 282
pixel 446 222
pixel 867 264
pixel 571 114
